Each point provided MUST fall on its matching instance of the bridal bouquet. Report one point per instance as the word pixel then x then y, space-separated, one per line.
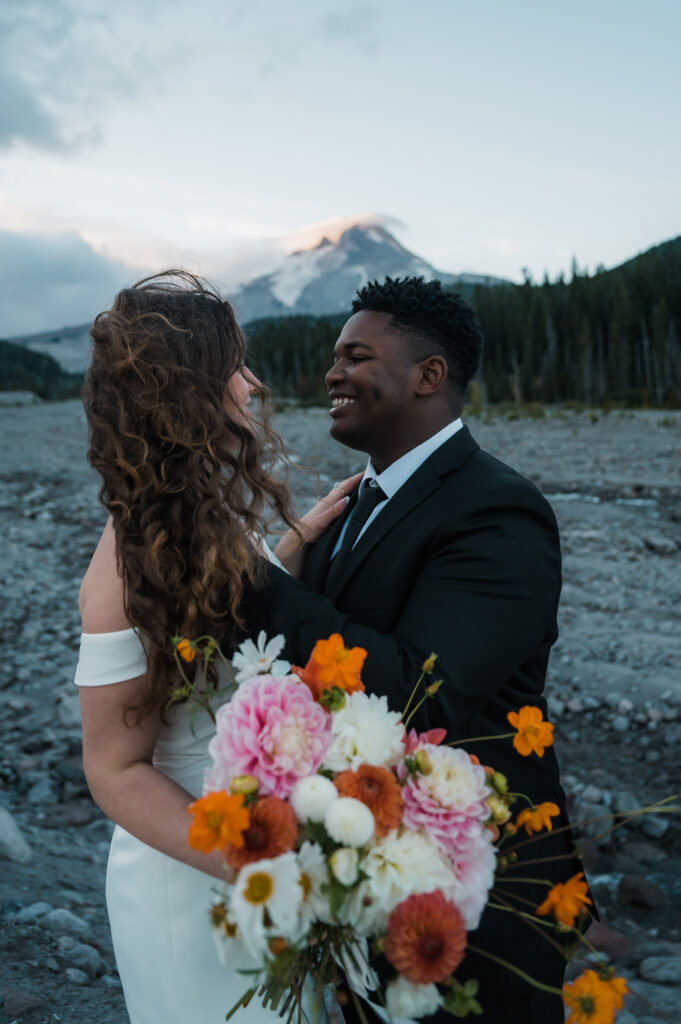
pixel 345 830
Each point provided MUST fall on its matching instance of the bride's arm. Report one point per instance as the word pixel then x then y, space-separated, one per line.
pixel 117 755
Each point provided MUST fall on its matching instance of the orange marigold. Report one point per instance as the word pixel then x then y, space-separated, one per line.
pixel 536 818
pixel 333 664
pixel 219 818
pixel 186 649
pixel 378 788
pixel 426 938
pixel 592 999
pixel 272 830
pixel 534 734
pixel 566 900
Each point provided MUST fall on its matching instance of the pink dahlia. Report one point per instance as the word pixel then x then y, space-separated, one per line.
pixel 273 729
pixel 473 869
pixel 448 802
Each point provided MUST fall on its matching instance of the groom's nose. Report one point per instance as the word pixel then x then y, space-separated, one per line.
pixel 334 376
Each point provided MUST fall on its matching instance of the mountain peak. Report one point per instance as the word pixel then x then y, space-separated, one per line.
pixel 324 279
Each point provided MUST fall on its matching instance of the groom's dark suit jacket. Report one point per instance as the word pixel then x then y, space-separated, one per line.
pixel 464 560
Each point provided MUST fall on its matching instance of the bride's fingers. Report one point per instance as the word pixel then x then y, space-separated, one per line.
pixel 342 487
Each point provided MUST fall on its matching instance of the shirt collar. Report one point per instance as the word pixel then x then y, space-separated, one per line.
pixel 392 478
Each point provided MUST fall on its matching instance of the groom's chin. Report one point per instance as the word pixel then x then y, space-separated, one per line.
pixel 347 437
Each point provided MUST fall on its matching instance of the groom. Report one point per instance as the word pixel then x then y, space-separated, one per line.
pixel 443 548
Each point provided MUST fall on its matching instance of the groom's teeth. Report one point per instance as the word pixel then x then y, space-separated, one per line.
pixel 338 402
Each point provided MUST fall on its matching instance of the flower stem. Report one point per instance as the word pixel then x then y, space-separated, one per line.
pixel 411 697
pixel 479 739
pixel 516 970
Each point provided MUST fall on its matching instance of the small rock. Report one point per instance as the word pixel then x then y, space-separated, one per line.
pixel 17 1002
pixel 664 970
pixel 664 998
pixel 635 891
pixel 111 980
pixel 63 922
pixel 625 802
pixel 653 756
pixel 620 723
pixel 52 965
pixel 76 976
pixel 643 852
pixel 660 544
pixel 34 912
pixel 65 943
pixel 68 711
pixel 575 705
pixel 592 794
pixel 654 825
pixel 86 959
pixel 13 846
pixel 625 706
pixel 42 792
pixel 607 940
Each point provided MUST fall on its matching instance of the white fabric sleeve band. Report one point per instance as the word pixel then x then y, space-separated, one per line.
pixel 110 658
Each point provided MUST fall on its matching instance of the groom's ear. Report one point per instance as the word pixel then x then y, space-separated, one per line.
pixel 432 374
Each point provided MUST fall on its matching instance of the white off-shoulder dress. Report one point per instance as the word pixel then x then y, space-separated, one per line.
pixel 158 907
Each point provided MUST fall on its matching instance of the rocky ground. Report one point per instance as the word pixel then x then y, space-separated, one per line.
pixel 614 685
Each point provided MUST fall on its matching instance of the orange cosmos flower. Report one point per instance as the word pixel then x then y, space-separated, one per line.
pixel 534 734
pixel 186 649
pixel 333 664
pixel 426 938
pixel 272 830
pixel 377 788
pixel 592 999
pixel 536 818
pixel 219 818
pixel 566 900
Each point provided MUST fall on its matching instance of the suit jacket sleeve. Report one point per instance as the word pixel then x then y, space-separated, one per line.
pixel 484 600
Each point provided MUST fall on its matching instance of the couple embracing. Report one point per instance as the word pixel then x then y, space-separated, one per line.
pixel 436 546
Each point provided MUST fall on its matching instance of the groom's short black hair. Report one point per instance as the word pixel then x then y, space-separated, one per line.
pixel 434 320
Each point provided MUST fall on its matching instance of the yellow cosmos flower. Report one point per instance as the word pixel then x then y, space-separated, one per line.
pixel 534 734
pixel 536 818
pixel 566 900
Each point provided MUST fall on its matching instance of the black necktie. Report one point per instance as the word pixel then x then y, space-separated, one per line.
pixel 370 497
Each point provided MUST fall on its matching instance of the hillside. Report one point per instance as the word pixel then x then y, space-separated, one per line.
pixel 25 370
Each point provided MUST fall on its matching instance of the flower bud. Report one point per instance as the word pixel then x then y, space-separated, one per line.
pixel 498 809
pixel 423 762
pixel 499 783
pixel 333 698
pixel 433 688
pixel 429 664
pixel 246 784
pixel 344 864
pixel 277 945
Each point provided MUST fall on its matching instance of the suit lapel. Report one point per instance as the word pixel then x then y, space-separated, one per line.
pixel 427 479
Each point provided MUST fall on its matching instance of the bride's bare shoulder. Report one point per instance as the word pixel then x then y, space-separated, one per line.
pixel 101 593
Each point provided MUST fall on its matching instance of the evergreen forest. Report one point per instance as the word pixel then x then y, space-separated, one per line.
pixel 610 338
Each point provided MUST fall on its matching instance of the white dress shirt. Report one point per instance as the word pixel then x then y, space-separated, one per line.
pixel 398 472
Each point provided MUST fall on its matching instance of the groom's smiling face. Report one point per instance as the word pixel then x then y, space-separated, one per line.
pixel 372 389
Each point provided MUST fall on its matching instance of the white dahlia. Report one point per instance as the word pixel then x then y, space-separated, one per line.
pixel 311 798
pixel 349 821
pixel 365 731
pixel 400 864
pixel 405 999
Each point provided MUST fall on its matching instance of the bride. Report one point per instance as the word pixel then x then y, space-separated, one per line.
pixel 186 478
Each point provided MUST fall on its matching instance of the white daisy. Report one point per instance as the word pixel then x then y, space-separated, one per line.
pixel 365 731
pixel 255 660
pixel 313 875
pixel 267 890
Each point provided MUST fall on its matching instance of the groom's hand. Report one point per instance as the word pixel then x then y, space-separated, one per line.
pixel 291 548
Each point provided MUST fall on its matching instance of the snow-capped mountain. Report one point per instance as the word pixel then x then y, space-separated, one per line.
pixel 325 278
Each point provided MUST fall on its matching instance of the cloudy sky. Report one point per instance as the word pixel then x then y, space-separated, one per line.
pixel 487 136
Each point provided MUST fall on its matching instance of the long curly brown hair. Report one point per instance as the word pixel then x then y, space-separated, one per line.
pixel 186 477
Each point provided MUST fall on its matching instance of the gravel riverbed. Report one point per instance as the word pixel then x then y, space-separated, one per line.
pixel 614 689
